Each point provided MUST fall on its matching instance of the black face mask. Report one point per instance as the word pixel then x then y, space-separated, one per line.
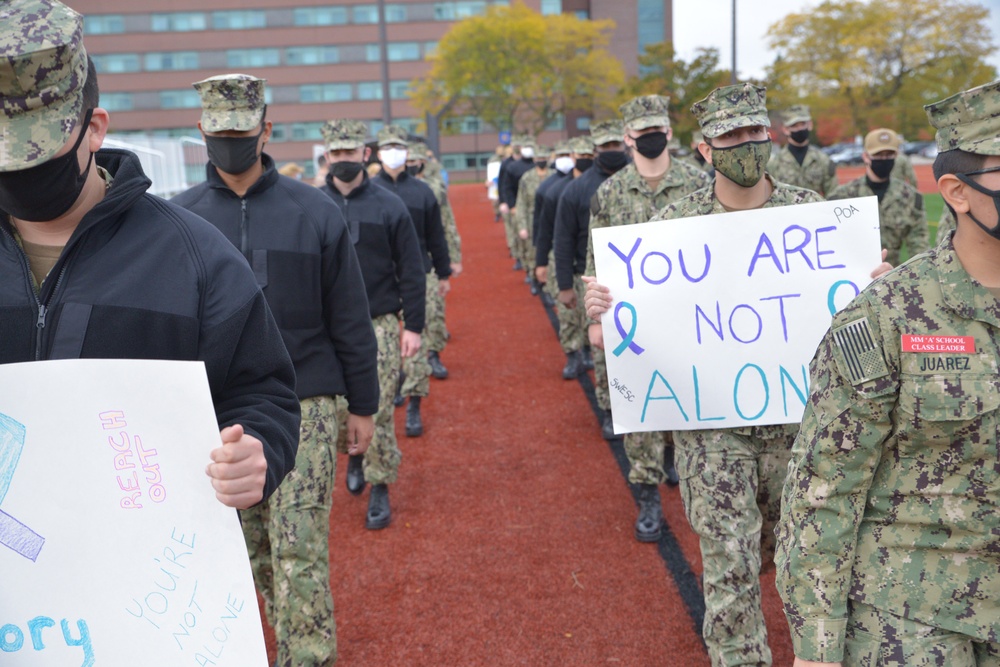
pixel 584 163
pixel 415 169
pixel 799 136
pixel 994 194
pixel 541 164
pixel 346 171
pixel 233 155
pixel 882 168
pixel 47 190
pixel 651 145
pixel 612 161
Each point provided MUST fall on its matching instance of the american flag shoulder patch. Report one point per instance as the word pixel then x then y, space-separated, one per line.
pixel 860 356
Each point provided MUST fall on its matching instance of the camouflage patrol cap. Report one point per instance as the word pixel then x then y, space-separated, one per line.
pixel 340 134
pixel 418 151
pixel 581 145
pixel 882 139
pixel 646 111
pixel 392 134
pixel 542 151
pixel 519 139
pixel 607 131
pixel 731 107
pixel 797 113
pixel 231 102
pixel 562 148
pixel 969 121
pixel 43 67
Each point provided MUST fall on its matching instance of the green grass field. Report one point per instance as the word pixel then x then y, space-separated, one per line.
pixel 933 206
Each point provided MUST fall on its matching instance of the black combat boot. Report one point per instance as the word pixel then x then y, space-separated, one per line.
pixel 672 479
pixel 547 299
pixel 356 473
pixel 588 360
pixel 608 426
pixel 438 370
pixel 534 286
pixel 379 514
pixel 400 399
pixel 648 525
pixel 517 265
pixel 574 365
pixel 414 425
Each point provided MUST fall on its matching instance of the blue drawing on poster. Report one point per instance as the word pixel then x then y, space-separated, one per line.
pixel 14 534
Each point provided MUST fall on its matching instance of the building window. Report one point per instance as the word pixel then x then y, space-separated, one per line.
pixel 370 90
pixel 463 125
pixel 312 55
pixel 430 48
pixel 328 92
pixel 463 161
pixel 582 14
pixel 454 11
pixel 583 123
pixel 365 14
pixel 399 51
pixel 399 90
pixel 179 99
pixel 239 20
pixel 373 53
pixel 116 101
pixel 651 23
pixel 253 57
pixel 176 60
pixel 395 13
pixel 103 24
pixel 116 63
pixel 179 22
pixel 551 7
pixel 557 123
pixel 312 16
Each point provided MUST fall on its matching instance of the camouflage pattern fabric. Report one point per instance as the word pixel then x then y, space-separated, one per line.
pixel 381 463
pixel 573 322
pixel 646 111
pixel 892 488
pixel 627 199
pixel 436 332
pixel 731 490
pixel 601 391
pixel 873 633
pixel 969 120
pixel 416 368
pixel 817 172
pixel 730 481
pixel 231 102
pixel 551 286
pixel 607 131
pixel 797 113
pixel 903 169
pixel 392 134
pixel 731 107
pixel 946 224
pixel 288 539
pixel 525 219
pixel 341 134
pixel 645 455
pixel 43 67
pixel 744 163
pixel 901 216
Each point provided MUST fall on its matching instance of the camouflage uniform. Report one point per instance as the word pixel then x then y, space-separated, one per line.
pixel 901 215
pixel 817 172
pixel 887 544
pixel 627 199
pixel 524 217
pixel 731 479
pixel 903 169
pixel 946 224
pixel 288 542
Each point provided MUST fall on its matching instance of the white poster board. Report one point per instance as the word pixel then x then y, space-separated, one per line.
pixel 114 550
pixel 716 318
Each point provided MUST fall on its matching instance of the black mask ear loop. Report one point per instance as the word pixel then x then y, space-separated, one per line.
pixel 993 194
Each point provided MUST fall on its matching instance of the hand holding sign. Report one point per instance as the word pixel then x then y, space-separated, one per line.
pixel 238 469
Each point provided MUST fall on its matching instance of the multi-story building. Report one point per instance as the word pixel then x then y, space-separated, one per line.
pixel 322 59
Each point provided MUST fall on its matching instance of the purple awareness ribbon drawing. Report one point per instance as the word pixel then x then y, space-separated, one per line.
pixel 14 534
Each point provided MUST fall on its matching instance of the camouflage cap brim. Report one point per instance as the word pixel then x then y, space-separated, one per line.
pixel 649 121
pixel 41 81
pixel 240 121
pixel 343 145
pixel 718 127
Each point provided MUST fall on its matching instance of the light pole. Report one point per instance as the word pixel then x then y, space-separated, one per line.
pixel 384 57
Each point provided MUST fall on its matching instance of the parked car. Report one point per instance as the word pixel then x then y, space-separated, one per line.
pixel 916 147
pixel 851 155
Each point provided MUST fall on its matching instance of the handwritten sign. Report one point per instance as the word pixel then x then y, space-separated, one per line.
pixel 717 317
pixel 114 550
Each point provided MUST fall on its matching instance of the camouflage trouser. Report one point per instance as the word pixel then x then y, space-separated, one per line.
pixel 416 368
pixel 509 229
pixel 572 321
pixel 436 332
pixel 382 458
pixel 601 379
pixel 731 488
pixel 877 638
pixel 550 284
pixel 522 250
pixel 288 541
pixel 645 456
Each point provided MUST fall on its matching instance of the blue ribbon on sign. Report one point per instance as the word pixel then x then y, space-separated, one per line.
pixel 626 337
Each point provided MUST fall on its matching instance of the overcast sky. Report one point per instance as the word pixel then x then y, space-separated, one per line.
pixel 708 23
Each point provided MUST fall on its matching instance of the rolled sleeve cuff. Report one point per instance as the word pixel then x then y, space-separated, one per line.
pixel 818 639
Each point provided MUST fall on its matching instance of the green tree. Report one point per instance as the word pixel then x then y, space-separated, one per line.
pixel 879 62
pixel 685 82
pixel 518 70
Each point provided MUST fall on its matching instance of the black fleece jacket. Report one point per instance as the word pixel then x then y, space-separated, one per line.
pixel 546 202
pixel 572 225
pixel 142 278
pixel 388 250
pixel 425 212
pixel 297 244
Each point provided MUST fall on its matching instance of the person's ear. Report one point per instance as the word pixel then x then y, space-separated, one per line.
pixel 99 123
pixel 954 192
